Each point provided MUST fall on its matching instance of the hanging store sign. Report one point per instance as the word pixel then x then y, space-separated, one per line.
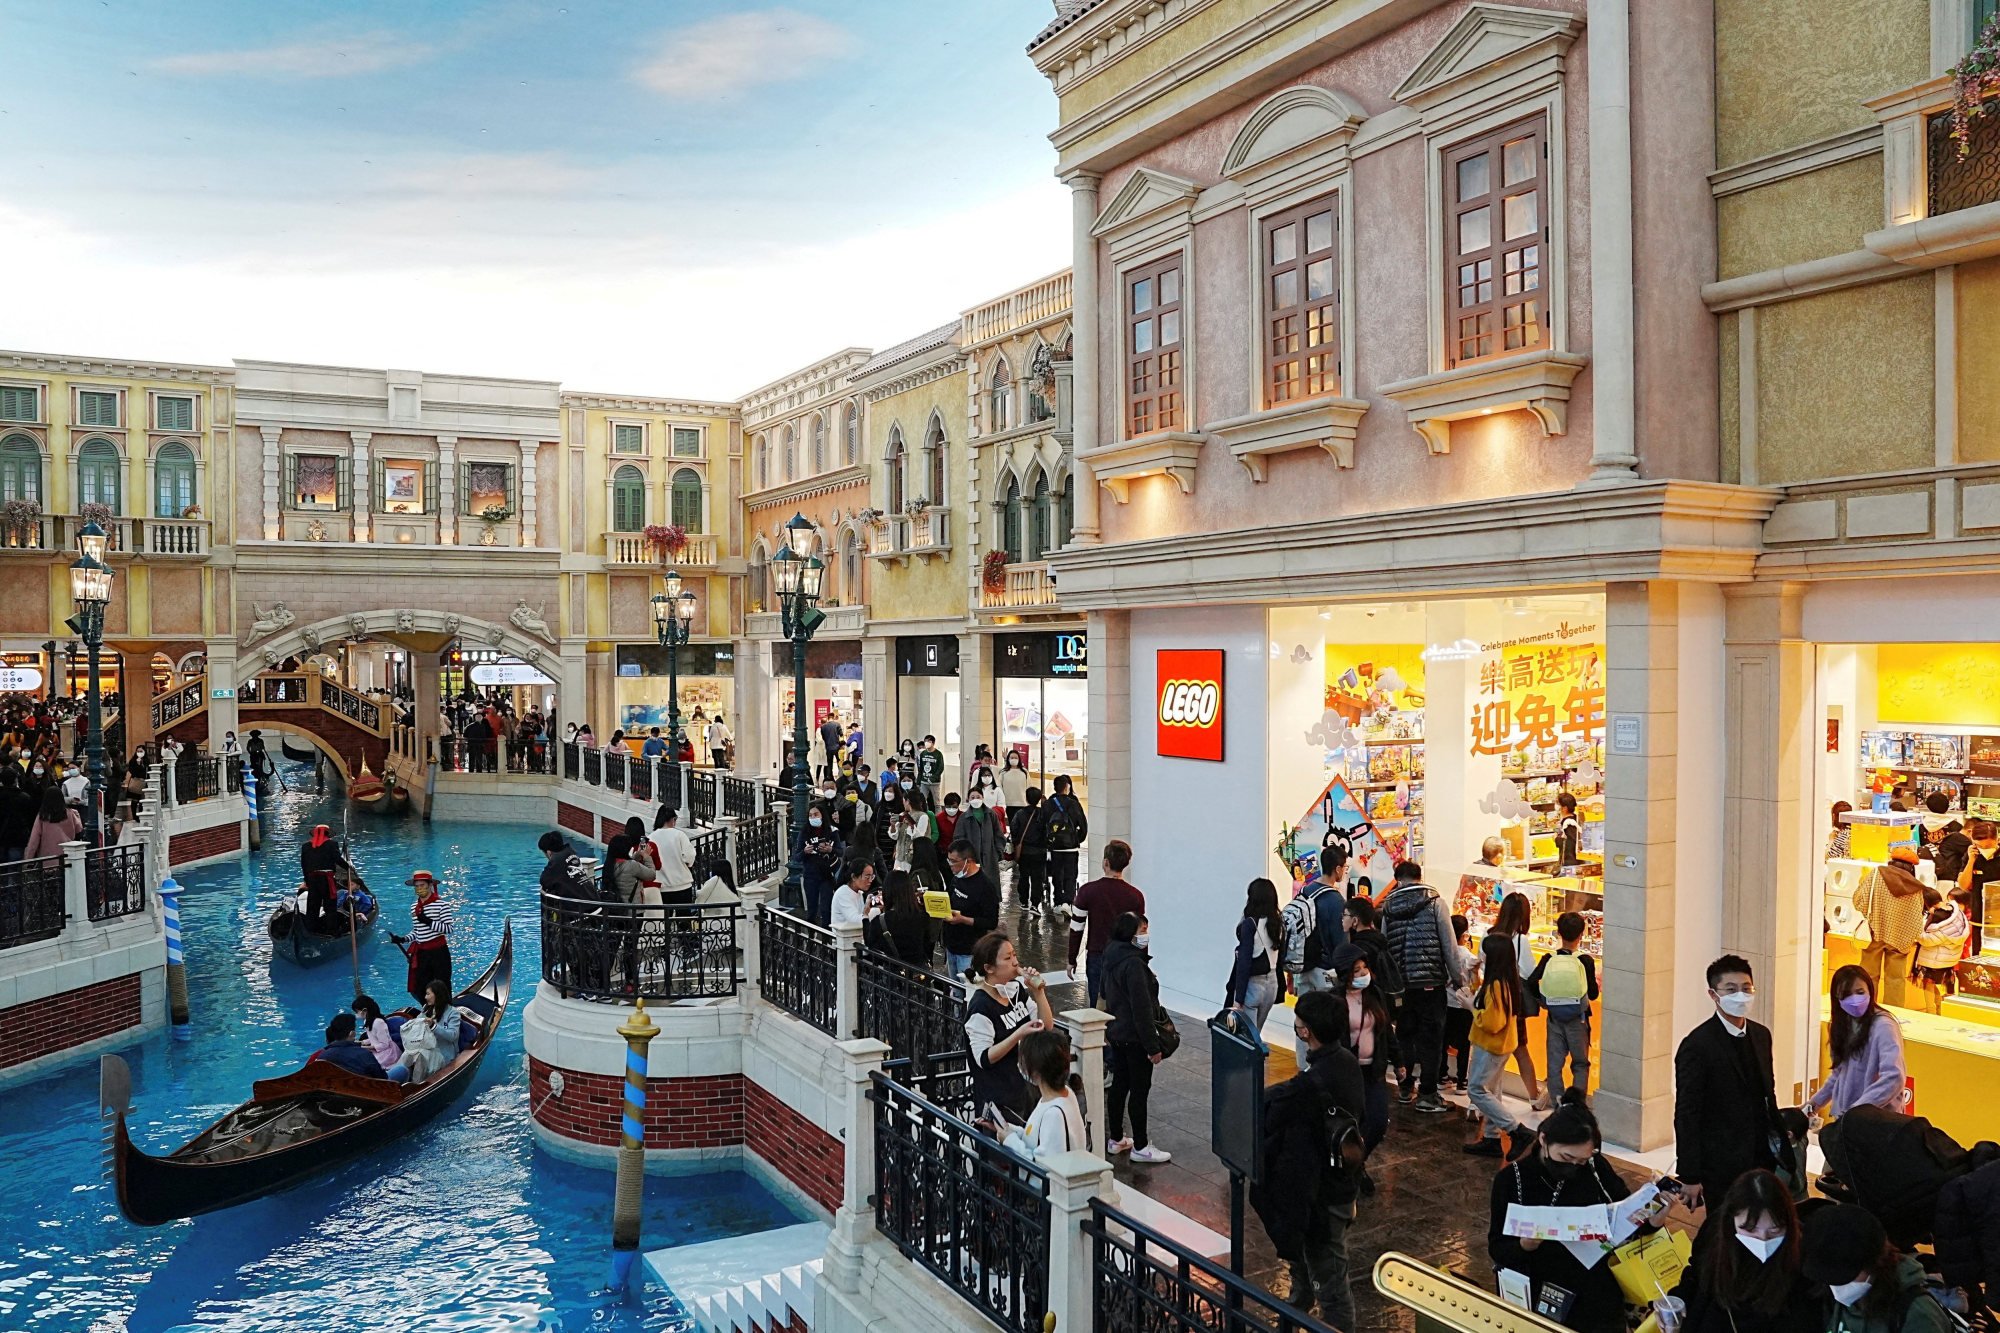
pixel 936 656
pixel 508 673
pixel 1189 703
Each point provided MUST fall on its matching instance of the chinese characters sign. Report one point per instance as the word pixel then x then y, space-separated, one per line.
pixel 1189 706
pixel 1536 696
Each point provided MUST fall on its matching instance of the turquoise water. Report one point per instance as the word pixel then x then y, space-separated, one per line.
pixel 465 1224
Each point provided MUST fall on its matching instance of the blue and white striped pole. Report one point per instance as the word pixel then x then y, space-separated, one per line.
pixel 250 799
pixel 177 987
pixel 638 1032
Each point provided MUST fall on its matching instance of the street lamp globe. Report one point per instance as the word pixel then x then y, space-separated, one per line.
pixel 809 579
pixel 684 612
pixel 661 610
pixel 672 580
pixel 92 541
pixel 802 536
pixel 785 568
pixel 89 582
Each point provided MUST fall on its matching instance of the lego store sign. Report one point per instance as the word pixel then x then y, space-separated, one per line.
pixel 1190 703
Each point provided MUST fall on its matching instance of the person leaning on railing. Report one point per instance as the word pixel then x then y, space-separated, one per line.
pixel 17 815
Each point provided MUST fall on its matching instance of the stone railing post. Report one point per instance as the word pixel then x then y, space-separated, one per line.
pixel 1075 1178
pixel 846 980
pixel 76 899
pixel 686 795
pixel 763 794
pixel 855 1220
pixel 1087 1042
pixel 751 942
pixel 172 793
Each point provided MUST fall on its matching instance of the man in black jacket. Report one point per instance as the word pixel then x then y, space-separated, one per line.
pixel 1725 1098
pixel 1306 1198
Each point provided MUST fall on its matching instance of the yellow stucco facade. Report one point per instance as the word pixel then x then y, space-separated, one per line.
pixel 1789 72
pixel 924 405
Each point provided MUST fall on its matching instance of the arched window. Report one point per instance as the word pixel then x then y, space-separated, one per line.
pixel 20 469
pixel 173 480
pixel 894 460
pixel 97 473
pixel 686 500
pixel 1040 516
pixel 850 567
pixel 852 446
pixel 1010 519
pixel 999 397
pixel 935 449
pixel 1065 515
pixel 791 454
pixel 760 575
pixel 1039 407
pixel 760 453
pixel 628 499
pixel 819 443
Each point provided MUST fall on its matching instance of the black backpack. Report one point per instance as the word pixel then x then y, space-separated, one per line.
pixel 1065 825
pixel 1346 1148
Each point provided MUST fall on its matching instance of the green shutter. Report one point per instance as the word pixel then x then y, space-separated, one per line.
pixel 174 413
pixel 20 469
pixel 430 486
pixel 173 481
pixel 687 442
pixel 513 488
pixel 291 481
pixel 95 408
pixel 1010 527
pixel 343 483
pixel 379 489
pixel 464 486
pixel 686 500
pixel 17 404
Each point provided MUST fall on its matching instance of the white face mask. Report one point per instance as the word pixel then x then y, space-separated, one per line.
pixel 1359 983
pixel 1761 1247
pixel 976 802
pixel 1143 939
pixel 1850 1294
pixel 1737 1005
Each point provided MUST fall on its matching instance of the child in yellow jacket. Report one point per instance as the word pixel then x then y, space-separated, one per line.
pixel 1494 1036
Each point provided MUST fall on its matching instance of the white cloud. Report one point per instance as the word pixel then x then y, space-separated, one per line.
pixel 330 57
pixel 725 55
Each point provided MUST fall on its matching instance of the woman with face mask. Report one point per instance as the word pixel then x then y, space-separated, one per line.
pixel 1371 1034
pixel 1867 1049
pixel 1566 1169
pixel 1874 1288
pixel 981 826
pixel 824 852
pixel 1747 1277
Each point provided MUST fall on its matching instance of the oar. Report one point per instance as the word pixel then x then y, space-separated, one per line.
pixel 353 939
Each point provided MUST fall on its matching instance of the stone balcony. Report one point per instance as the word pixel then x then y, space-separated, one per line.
pixel 1024 586
pixel 631 550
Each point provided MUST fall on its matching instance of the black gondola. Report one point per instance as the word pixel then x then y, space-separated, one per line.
pixel 292 938
pixel 292 1126
pixel 304 754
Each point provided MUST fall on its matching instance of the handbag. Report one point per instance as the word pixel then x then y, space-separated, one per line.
pixel 1650 1264
pixel 1169 1035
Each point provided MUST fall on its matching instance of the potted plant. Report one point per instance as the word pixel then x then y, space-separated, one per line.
pixel 993 571
pixel 192 511
pixel 1975 79
pixel 17 522
pixel 101 515
pixel 668 540
pixel 493 515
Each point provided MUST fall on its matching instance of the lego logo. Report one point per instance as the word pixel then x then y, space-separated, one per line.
pixel 1189 703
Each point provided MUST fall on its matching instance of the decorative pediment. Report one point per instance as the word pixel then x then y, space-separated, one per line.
pixel 1146 193
pixel 1290 120
pixel 1485 37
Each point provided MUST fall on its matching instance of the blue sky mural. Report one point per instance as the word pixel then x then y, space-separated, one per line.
pixel 687 197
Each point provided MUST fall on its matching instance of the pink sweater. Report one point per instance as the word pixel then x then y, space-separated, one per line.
pixel 1872 1076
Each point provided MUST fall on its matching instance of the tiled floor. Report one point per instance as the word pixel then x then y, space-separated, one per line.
pixel 1431 1200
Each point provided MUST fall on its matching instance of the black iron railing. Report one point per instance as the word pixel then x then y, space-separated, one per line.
pixel 739 796
pixel 593 767
pixel 953 1200
pixel 640 780
pixel 1964 182
pixel 572 761
pixel 614 951
pixel 197 777
pixel 114 880
pixel 701 798
pixel 32 901
pixel 669 780
pixel 759 851
pixel 918 1013
pixel 711 851
pixel 451 754
pixel 943 1079
pixel 232 773
pixel 776 797
pixel 615 764
pixel 799 967
pixel 174 705
pixel 1141 1282
pixel 350 705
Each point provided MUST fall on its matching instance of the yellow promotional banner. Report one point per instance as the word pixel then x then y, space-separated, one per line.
pixel 1363 678
pixel 1536 695
pixel 1937 684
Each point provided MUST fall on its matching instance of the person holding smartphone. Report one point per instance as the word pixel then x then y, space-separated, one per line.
pixel 856 900
pixel 1007 1003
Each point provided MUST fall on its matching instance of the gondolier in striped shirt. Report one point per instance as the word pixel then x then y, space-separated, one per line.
pixel 429 937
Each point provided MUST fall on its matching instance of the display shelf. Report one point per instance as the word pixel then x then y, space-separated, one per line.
pixel 1393 740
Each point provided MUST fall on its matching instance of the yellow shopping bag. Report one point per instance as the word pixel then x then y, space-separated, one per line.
pixel 1648 1266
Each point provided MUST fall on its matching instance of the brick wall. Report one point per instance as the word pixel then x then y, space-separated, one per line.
pixel 58 1022
pixel 574 819
pixel 716 1111
pixel 609 829
pixel 183 848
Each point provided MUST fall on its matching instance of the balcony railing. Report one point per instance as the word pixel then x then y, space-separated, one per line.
pixel 1022 585
pixel 968 1210
pixel 930 530
pixel 176 704
pixel 917 1012
pixel 615 764
pixel 639 781
pixel 197 777
pixel 631 549
pixel 799 962
pixel 572 761
pixel 701 799
pixel 889 536
pixel 759 847
pixel 175 536
pixel 114 880
pixel 1140 1279
pixel 614 951
pixel 119 531
pixel 32 901
pixel 1037 303
pixel 339 699
pixel 27 534
pixel 1963 182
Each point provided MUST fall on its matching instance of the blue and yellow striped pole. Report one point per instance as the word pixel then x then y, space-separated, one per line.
pixel 177 987
pixel 638 1032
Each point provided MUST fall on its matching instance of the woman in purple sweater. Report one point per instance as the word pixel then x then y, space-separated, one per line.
pixel 1867 1048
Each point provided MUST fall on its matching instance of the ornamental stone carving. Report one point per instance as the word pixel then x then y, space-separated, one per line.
pixel 451 624
pixel 406 621
pixel 270 657
pixel 311 637
pixel 279 617
pixel 358 624
pixel 494 634
pixel 530 619
pixel 532 655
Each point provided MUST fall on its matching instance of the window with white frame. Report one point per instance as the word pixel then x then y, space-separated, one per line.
pixel 1153 393
pixel 936 448
pixel 20 469
pixel 627 438
pixel 999 396
pixel 791 451
pixel 894 459
pixel 96 407
pixel 97 468
pixel 819 443
pixel 20 402
pixel 1300 257
pixel 687 442
pixel 173 412
pixel 851 447
pixel 684 500
pixel 173 480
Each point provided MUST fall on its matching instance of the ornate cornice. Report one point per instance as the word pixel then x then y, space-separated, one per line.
pixel 55 363
pixel 944 368
pixel 666 407
pixel 807 487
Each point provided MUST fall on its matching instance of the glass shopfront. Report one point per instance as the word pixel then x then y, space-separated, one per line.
pixel 833 690
pixel 707 690
pixel 928 702
pixel 1042 703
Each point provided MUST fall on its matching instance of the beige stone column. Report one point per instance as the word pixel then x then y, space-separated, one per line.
pixel 446 499
pixel 1614 423
pixel 524 495
pixel 975 704
pixel 1084 363
pixel 1642 696
pixel 361 490
pixel 878 700
pixel 1109 765
pixel 1770 826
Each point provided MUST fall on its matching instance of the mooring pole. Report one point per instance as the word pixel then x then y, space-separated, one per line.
pixel 177 986
pixel 638 1032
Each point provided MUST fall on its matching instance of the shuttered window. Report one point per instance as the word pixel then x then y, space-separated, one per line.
pixel 686 498
pixel 1010 520
pixel 628 500
pixel 628 439
pixel 895 459
pixel 1065 516
pixel 819 445
pixel 934 463
pixel 97 474
pixel 317 481
pixel 851 453
pixel 173 414
pixel 1301 303
pixel 481 485
pixel 999 397
pixel 173 480
pixel 1038 520
pixel 19 403
pixel 1982 14
pixel 687 442
pixel 94 408
pixel 1496 235
pixel 20 469
pixel 1154 395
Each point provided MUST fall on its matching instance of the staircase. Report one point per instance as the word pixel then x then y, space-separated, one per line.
pixel 759 1283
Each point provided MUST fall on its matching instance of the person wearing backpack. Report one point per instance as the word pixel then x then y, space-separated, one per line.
pixel 1421 946
pixel 1312 1161
pixel 1068 826
pixel 1313 923
pixel 1253 975
pixel 1567 983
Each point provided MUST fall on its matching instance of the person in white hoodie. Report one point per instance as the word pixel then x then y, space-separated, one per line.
pixel 1940 947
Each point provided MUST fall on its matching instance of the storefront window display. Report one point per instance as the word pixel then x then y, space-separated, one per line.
pixel 1042 693
pixel 928 702
pixel 833 689
pixel 707 687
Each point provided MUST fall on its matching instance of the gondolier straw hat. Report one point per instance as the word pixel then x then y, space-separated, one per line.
pixel 424 875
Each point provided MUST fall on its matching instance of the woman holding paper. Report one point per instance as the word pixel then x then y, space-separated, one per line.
pixel 1570 1282
pixel 1747 1278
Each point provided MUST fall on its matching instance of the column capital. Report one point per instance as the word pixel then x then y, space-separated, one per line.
pixel 864 1055
pixel 1082 181
pixel 361 437
pixel 270 434
pixel 447 441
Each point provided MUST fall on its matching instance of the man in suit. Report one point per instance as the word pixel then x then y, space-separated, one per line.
pixel 1725 1098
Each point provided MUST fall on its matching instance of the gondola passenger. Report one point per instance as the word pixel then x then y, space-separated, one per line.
pixel 341 1049
pixel 375 1034
pixel 431 1039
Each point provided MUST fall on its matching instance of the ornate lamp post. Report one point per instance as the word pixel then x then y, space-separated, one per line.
pixel 673 620
pixel 796 572
pixel 90 589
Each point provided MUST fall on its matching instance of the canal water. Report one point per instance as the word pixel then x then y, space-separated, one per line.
pixel 465 1224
